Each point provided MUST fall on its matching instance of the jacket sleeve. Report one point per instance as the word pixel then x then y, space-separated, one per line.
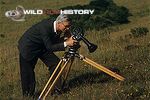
pixel 52 47
pixel 46 33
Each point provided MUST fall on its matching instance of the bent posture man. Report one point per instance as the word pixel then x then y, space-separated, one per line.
pixel 40 41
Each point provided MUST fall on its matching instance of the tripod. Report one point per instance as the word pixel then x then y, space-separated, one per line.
pixel 66 63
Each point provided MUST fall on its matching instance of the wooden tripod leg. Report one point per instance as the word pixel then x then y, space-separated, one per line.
pixel 58 75
pixel 66 72
pixel 100 67
pixel 48 83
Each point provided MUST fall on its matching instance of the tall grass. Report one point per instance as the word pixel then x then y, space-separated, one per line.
pixel 127 56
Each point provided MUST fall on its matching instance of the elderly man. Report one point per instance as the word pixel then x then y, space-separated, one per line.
pixel 40 41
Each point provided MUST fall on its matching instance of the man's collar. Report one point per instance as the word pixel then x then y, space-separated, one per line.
pixel 55 27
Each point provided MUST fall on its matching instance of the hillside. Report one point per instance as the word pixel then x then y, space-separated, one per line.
pixel 117 49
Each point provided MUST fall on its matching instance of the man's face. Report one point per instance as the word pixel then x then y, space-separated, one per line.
pixel 63 26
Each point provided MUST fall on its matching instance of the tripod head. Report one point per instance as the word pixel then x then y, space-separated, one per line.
pixel 78 34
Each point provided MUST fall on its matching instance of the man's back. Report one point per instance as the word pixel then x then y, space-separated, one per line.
pixel 37 38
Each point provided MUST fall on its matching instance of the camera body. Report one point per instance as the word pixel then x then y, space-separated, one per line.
pixel 78 34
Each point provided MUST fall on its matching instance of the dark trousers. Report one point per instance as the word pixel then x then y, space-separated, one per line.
pixel 27 71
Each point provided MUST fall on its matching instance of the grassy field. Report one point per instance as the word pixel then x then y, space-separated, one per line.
pixel 116 49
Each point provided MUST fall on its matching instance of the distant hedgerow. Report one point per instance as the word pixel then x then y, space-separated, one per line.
pixel 106 13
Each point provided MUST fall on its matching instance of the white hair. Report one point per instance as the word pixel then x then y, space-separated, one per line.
pixel 62 18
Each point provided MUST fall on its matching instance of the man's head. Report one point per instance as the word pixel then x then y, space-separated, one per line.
pixel 63 22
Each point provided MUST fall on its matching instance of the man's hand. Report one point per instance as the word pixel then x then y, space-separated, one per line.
pixel 67 34
pixel 70 41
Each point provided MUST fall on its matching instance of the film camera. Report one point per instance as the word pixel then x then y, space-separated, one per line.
pixel 78 34
pixel 66 61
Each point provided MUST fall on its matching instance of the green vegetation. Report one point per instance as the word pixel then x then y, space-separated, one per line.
pixel 140 31
pixel 117 50
pixel 106 13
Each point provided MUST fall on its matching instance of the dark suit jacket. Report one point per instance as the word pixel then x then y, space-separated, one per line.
pixel 38 38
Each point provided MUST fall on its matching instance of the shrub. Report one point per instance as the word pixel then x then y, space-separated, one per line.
pixel 139 31
pixel 2 35
pixel 106 13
